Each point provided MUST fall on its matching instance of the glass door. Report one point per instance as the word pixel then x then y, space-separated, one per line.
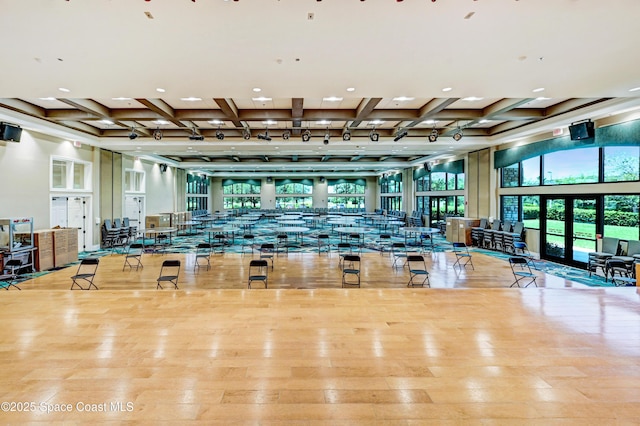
pixel 569 228
pixel 554 225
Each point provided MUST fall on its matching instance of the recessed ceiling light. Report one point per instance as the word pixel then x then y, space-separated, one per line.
pixel 332 99
pixel 483 121
pixel 277 147
pixel 160 122
pixel 472 99
pixel 447 89
pixel 270 122
pixel 191 99
pixel 257 89
pixel 107 122
pixel 63 89
pixel 403 98
pixel 160 89
pixel 539 89
pixel 351 89
pixel 323 122
pixel 217 122
pixel 260 99
pixel 542 98
pixel 50 98
pixel 376 122
pixel 120 99
pixel 635 89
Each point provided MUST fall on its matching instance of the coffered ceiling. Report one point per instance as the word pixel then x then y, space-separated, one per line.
pixel 214 80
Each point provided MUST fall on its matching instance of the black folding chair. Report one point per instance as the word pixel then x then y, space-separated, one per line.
pixel 86 272
pixel 203 253
pixel 323 241
pixel 258 271
pixel 169 273
pixel 133 258
pixel 11 279
pixel 463 257
pixel 351 267
pixel 417 268
pixel 522 272
pixel 267 252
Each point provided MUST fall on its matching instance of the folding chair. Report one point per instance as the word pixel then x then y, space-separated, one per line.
pixel 521 271
pixel 220 240
pixel 384 242
pixel 169 273
pixel 267 252
pixel 520 249
pixel 463 257
pixel 620 267
pixel 417 268
pixel 399 253
pixel 351 267
pixel 203 252
pixel 259 271
pixel 133 257
pixel 86 272
pixel 12 265
pixel 282 241
pixel 323 241
pixel 344 249
pixel 247 240
pixel 355 240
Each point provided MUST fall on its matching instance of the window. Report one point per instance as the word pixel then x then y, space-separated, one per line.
pixel 511 176
pixel 422 184
pixel 198 192
pixel 460 179
pixel 531 172
pixel 531 211
pixel 621 216
pixel 510 205
pixel 341 194
pixel 438 181
pixel 70 175
pixel 241 202
pixel 294 202
pixel 134 181
pixel 240 188
pixel 244 194
pixel 391 203
pixel 621 163
pixel 294 188
pixel 422 203
pixel 582 167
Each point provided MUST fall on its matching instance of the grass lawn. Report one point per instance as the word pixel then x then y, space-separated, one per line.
pixel 585 230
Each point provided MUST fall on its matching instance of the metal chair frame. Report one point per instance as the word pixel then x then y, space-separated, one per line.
pixel 524 273
pixel 86 272
pixel 169 273
pixel 461 252
pixel 353 268
pixel 203 252
pixel 259 271
pixel 134 254
pixel 417 268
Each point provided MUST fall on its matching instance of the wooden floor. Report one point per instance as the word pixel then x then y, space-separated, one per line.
pixel 469 350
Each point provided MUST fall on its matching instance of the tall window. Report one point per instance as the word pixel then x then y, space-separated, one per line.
pixel 70 175
pixel 346 194
pixel 391 190
pixel 294 194
pixel 241 194
pixel 197 192
pixel 531 172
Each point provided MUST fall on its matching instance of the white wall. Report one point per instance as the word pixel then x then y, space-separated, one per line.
pixel 25 175
pixel 160 189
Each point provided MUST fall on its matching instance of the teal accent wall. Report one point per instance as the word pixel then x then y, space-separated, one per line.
pixel 623 134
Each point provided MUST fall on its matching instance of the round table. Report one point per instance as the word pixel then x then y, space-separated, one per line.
pixel 296 230
pixel 422 230
pixel 291 222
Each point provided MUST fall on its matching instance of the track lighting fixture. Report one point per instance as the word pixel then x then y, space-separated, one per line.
pixel 433 136
pixel 286 134
pixel 264 136
pixel 246 134
pixel 306 136
pixel 133 135
pixel 346 136
pixel 219 135
pixel 327 136
pixel 374 136
pixel 458 134
pixel 157 134
pixel 163 167
pixel 401 134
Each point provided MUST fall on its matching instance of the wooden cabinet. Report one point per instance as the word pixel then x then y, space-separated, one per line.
pixel 459 229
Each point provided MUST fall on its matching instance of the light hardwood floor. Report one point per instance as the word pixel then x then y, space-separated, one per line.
pixel 467 351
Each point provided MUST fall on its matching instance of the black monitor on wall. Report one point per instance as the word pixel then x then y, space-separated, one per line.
pixel 10 132
pixel 581 131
